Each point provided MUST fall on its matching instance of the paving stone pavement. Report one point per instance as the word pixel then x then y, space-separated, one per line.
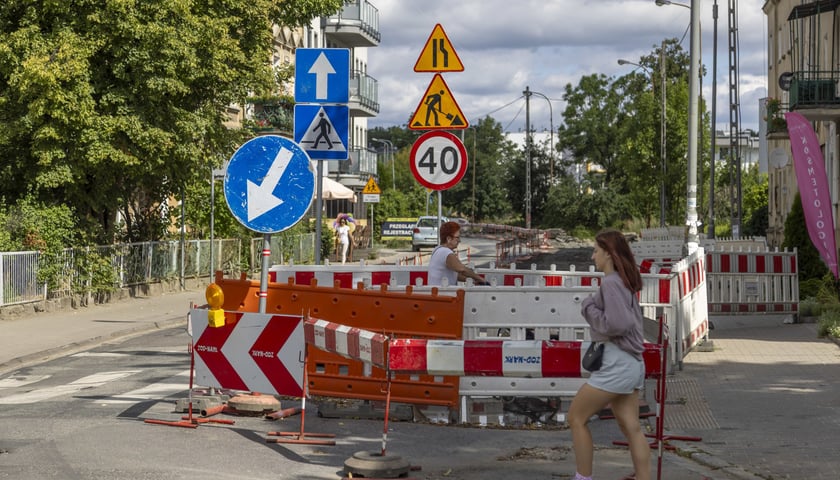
pixel 772 391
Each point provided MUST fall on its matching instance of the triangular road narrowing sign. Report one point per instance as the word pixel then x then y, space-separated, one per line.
pixel 438 55
pixel 438 110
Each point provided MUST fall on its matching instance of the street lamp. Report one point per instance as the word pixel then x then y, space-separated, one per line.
pixel 662 130
pixel 692 238
pixel 389 149
pixel 528 92
pixel 669 2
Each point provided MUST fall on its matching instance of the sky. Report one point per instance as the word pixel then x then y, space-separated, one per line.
pixel 506 45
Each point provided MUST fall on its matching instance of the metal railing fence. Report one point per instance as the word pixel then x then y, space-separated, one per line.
pixel 28 277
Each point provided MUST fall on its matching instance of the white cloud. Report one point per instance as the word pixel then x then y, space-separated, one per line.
pixel 506 46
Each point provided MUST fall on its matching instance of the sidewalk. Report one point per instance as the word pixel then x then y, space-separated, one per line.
pixel 34 338
pixel 764 401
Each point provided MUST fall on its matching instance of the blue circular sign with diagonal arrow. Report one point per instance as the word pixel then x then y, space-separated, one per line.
pixel 270 184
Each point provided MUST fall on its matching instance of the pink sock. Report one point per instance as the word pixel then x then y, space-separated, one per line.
pixel 581 477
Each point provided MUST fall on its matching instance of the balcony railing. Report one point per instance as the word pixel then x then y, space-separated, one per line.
pixel 814 89
pixel 362 163
pixel 356 25
pixel 364 95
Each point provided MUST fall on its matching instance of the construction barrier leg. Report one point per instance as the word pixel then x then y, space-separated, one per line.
pixel 379 466
pixel 188 421
pixel 300 437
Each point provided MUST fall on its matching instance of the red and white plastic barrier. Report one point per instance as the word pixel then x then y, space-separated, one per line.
pixel 349 342
pixel 500 358
pixel 753 282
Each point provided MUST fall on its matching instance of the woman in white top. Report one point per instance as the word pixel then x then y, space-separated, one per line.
pixel 445 263
pixel 344 239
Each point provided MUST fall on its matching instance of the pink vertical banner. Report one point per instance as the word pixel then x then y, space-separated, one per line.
pixel 813 187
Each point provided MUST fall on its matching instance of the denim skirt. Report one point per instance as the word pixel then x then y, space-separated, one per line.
pixel 620 372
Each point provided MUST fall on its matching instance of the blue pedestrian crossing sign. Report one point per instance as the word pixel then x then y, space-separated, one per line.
pixel 322 130
pixel 269 184
pixel 322 75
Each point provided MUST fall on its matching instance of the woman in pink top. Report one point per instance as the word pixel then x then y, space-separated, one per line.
pixel 615 318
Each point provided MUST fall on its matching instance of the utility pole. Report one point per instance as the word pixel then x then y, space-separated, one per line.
pixel 663 144
pixel 527 94
pixel 711 232
pixel 734 121
pixel 692 238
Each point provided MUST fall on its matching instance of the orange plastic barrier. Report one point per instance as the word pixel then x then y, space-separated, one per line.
pixel 401 314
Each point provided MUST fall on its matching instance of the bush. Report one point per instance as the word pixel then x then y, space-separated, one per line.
pixel 829 324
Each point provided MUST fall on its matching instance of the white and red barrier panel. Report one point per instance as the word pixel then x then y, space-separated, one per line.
pixel 349 342
pixel 254 352
pixel 499 358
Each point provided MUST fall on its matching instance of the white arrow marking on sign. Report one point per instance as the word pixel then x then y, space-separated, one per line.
pixel 322 68
pixel 260 197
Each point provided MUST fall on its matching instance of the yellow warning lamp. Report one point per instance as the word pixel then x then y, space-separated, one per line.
pixel 215 298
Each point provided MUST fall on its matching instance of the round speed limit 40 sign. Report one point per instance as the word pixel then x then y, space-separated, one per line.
pixel 438 160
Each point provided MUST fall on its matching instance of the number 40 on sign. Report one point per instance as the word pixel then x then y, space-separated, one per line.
pixel 438 160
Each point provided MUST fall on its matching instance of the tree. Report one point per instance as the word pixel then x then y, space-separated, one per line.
pixel 488 152
pixel 117 106
pixel 754 187
pixel 591 120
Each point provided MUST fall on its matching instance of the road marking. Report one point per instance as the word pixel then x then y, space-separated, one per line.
pixel 21 380
pixel 155 391
pixel 91 381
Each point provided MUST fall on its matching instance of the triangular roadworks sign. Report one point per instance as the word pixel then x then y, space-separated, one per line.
pixel 438 55
pixel 438 110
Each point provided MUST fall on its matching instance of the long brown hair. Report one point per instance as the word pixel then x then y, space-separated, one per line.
pixel 614 243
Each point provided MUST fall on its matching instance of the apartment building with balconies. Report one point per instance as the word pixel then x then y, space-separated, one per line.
pixel 803 71
pixel 356 28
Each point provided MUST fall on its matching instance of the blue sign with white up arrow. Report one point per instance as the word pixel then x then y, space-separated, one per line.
pixel 322 75
pixel 269 184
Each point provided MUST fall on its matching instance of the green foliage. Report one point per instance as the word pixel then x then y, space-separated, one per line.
pixel 110 107
pixel 829 324
pixel 97 275
pixel 754 199
pixel 29 225
pixel 489 154
pixel 327 240
pixel 571 205
pixel 796 236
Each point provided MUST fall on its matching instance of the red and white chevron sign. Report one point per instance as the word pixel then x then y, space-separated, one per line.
pixel 257 352
pixel 348 342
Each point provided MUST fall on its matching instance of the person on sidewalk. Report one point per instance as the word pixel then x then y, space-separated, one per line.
pixel 343 239
pixel 445 264
pixel 615 318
